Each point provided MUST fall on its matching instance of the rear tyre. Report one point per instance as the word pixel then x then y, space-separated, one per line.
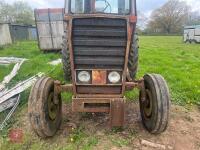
pixel 44 114
pixel 133 57
pixel 66 59
pixel 155 109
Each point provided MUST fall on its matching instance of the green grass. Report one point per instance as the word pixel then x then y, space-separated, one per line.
pixel 5 70
pixel 179 63
pixel 37 62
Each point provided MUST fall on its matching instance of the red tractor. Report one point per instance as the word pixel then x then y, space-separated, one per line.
pixel 100 57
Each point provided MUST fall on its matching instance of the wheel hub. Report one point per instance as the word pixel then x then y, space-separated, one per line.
pixel 52 107
pixel 148 104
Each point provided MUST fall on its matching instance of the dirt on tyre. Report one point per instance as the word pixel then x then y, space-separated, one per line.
pixel 155 108
pixel 44 109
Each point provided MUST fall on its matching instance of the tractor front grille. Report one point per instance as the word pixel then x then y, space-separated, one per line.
pixel 99 43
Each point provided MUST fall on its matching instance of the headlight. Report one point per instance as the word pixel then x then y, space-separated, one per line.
pixel 84 76
pixel 114 77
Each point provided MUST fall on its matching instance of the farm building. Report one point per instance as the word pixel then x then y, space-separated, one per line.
pixel 14 32
pixel 192 34
pixel 50 28
pixel 23 32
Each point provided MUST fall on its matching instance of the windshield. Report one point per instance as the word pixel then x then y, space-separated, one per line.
pixel 100 6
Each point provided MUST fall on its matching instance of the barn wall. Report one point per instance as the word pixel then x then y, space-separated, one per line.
pixel 5 37
pixel 19 33
pixel 22 32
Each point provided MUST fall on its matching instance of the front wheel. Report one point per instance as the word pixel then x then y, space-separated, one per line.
pixel 44 108
pixel 155 108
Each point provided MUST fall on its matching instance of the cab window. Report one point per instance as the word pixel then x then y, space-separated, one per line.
pixel 101 6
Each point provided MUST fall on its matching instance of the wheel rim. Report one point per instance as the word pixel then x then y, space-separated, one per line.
pixel 52 107
pixel 148 105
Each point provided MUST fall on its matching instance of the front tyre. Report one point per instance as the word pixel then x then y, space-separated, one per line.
pixel 44 108
pixel 155 109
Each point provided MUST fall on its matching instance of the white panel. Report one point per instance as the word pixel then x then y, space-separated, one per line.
pixel 5 37
pixel 47 36
pixel 191 34
pixel 57 34
pixel 186 35
pixel 197 32
pixel 46 43
pixel 44 35
pixel 43 29
pixel 197 38
pixel 57 28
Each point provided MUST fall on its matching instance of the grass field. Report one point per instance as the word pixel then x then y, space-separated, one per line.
pixel 179 63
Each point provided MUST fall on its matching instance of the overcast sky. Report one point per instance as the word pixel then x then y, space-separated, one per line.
pixel 145 6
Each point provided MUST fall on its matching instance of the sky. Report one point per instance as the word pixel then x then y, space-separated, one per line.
pixel 145 6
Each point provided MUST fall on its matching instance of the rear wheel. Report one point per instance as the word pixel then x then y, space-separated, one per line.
pixel 133 58
pixel 66 58
pixel 44 109
pixel 155 109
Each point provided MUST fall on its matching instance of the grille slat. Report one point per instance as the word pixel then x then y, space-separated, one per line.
pixel 99 43
pixel 99 60
pixel 100 22
pixel 98 52
pixel 92 33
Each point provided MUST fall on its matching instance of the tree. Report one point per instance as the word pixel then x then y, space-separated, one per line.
pixel 170 18
pixel 19 12
pixel 142 20
pixel 5 12
pixel 194 18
